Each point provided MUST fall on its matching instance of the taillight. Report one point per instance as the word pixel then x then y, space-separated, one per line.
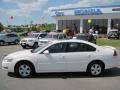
pixel 115 53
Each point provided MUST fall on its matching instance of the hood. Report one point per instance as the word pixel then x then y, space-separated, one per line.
pixel 29 38
pixel 19 54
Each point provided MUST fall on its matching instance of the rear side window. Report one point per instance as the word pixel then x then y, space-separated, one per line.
pixel 80 47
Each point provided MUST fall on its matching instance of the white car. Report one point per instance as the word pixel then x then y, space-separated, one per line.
pixel 62 56
pixel 32 41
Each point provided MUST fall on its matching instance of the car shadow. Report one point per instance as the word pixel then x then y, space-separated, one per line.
pixel 108 73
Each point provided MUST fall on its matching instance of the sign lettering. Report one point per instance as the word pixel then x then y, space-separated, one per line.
pixel 90 11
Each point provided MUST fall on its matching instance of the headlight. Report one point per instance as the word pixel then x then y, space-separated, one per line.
pixel 30 40
pixel 8 60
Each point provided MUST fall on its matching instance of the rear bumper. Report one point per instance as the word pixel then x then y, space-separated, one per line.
pixel 113 62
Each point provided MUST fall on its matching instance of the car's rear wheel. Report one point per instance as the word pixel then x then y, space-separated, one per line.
pixel 95 69
pixel 24 47
pixel 2 43
pixel 24 69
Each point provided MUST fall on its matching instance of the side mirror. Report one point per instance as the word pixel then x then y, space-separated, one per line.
pixel 46 52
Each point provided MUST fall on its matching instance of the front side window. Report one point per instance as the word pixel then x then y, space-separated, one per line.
pixel 57 48
pixel 80 47
pixel 42 35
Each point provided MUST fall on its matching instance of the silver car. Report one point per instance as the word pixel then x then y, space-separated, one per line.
pixel 51 37
pixel 9 38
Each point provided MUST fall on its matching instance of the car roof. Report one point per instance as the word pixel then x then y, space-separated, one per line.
pixel 38 33
pixel 75 40
pixel 55 33
pixel 7 33
pixel 82 34
pixel 113 30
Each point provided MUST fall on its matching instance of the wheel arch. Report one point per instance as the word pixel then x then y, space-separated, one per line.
pixel 98 61
pixel 25 61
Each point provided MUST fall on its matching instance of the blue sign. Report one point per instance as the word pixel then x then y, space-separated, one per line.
pixel 59 13
pixel 89 11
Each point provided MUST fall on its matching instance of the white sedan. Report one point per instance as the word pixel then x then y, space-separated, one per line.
pixel 62 56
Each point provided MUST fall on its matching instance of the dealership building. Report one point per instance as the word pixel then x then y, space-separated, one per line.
pixel 102 18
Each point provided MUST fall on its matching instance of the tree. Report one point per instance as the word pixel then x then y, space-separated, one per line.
pixel 1 26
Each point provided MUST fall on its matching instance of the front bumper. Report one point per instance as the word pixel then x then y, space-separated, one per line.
pixel 8 66
pixel 30 44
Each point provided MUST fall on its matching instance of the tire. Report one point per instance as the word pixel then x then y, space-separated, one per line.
pixel 24 69
pixel 95 69
pixel 16 42
pixel 24 47
pixel 2 43
pixel 35 45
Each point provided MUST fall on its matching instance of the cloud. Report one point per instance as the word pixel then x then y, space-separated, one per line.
pixel 2 12
pixel 25 7
pixel 85 3
pixel 19 1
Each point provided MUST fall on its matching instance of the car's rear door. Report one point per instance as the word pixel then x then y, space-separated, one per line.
pixel 78 55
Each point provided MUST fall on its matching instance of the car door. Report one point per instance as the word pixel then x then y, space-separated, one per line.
pixel 78 55
pixel 54 61
pixel 8 38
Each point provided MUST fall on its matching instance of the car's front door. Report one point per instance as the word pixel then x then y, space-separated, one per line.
pixel 53 61
pixel 78 55
pixel 8 38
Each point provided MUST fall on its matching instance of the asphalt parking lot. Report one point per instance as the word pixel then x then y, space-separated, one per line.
pixel 110 80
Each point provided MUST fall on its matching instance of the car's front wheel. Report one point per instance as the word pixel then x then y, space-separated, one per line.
pixel 35 45
pixel 95 69
pixel 24 69
pixel 16 42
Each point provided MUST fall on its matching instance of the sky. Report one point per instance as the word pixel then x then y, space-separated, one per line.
pixel 38 11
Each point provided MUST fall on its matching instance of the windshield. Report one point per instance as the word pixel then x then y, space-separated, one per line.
pixel 34 36
pixel 39 48
pixel 52 36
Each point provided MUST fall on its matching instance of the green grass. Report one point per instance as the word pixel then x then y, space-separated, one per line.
pixel 108 42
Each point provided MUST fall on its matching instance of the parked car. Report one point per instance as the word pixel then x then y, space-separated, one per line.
pixel 62 56
pixel 114 33
pixel 86 37
pixel 32 41
pixel 9 38
pixel 51 37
